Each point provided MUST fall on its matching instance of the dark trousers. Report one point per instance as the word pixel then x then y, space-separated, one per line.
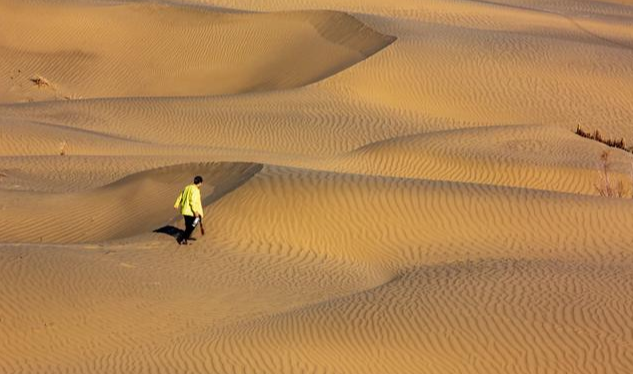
pixel 188 227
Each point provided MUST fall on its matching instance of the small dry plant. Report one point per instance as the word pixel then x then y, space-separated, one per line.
pixel 597 136
pixel 40 82
pixel 63 146
pixel 608 186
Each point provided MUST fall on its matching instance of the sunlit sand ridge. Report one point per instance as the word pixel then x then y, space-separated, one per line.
pixel 390 187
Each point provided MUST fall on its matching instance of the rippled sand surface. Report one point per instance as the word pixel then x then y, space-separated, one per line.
pixel 390 186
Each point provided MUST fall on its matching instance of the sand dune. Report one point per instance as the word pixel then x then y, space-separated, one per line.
pixel 128 207
pixel 159 50
pixel 424 320
pixel 409 221
pixel 68 174
pixel 533 156
pixel 391 186
pixel 395 276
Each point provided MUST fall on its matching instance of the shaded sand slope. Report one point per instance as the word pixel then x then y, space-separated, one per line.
pixel 78 173
pixel 133 205
pixel 82 51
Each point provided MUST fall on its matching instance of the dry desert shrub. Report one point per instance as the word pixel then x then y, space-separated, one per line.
pixel 608 186
pixel 62 148
pixel 40 82
pixel 597 136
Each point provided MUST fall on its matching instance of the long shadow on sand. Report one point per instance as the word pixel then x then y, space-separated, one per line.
pixel 172 231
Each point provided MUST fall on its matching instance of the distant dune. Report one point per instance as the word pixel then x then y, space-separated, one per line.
pixel 390 186
pixel 159 50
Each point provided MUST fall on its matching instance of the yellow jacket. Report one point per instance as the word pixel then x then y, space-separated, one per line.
pixel 189 201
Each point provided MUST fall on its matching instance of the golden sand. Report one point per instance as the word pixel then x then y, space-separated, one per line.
pixel 390 186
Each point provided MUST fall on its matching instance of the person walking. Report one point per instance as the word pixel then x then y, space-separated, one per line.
pixel 190 206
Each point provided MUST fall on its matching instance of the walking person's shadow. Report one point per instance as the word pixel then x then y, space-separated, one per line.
pixel 172 231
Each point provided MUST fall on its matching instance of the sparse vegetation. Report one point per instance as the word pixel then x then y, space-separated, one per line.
pixel 597 136
pixel 607 185
pixel 43 83
pixel 40 82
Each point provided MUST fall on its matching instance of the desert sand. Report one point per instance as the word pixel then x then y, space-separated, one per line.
pixel 390 186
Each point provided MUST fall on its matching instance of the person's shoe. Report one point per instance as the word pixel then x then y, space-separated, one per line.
pixel 184 242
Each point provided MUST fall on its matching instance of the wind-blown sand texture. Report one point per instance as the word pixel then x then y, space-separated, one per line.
pixel 391 186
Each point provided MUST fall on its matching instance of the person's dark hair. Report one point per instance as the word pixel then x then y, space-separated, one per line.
pixel 197 180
